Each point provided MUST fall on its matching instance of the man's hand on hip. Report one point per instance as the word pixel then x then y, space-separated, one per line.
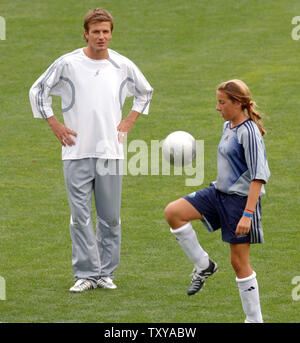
pixel 61 131
pixel 125 126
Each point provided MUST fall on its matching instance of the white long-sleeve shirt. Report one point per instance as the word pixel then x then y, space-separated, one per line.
pixel 92 96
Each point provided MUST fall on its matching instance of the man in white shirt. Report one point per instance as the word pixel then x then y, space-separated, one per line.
pixel 93 83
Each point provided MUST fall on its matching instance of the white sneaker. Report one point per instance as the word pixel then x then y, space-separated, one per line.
pixel 106 282
pixel 81 285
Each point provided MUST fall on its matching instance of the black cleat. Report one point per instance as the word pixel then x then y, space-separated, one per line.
pixel 199 278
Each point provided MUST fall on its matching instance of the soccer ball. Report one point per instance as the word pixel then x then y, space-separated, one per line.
pixel 179 148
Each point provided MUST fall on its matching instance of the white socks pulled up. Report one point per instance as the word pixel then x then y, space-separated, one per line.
pixel 249 294
pixel 188 240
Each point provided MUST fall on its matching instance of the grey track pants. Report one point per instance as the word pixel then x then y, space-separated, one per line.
pixel 94 255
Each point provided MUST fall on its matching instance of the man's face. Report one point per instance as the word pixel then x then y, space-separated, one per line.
pixel 99 36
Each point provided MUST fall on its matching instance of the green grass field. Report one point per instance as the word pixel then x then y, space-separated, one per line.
pixel 185 49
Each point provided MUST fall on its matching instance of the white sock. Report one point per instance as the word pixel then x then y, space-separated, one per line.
pixel 249 294
pixel 188 240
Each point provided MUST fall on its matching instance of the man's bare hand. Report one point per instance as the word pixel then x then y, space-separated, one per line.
pixel 125 125
pixel 61 132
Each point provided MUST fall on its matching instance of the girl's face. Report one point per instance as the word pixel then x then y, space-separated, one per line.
pixel 229 110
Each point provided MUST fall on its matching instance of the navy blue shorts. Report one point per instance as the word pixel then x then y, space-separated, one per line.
pixel 221 210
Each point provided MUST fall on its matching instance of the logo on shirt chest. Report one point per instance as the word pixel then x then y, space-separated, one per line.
pixel 97 73
pixel 225 144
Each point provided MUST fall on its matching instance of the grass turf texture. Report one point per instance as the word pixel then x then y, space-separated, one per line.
pixel 185 49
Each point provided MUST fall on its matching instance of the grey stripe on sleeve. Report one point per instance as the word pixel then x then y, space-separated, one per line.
pixel 149 95
pixel 39 98
pixel 66 109
pixel 113 63
pixel 128 79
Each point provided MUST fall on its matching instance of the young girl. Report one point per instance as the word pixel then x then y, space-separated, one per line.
pixel 232 202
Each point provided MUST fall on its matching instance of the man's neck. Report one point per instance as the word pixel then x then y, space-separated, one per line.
pixel 96 54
